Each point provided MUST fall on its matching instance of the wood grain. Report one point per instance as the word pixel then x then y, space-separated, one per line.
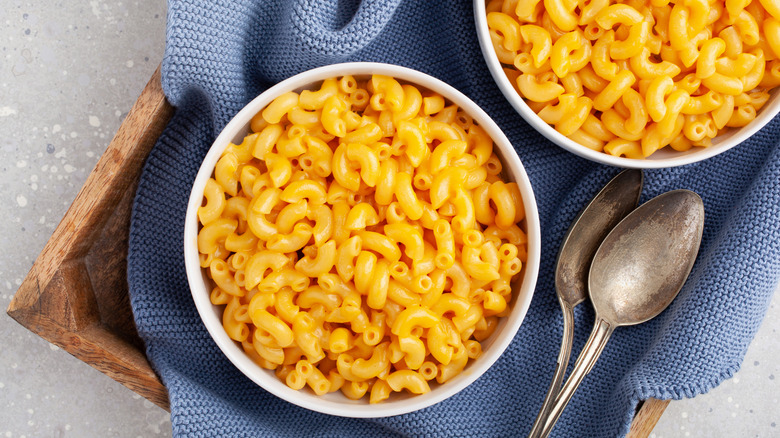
pixel 647 417
pixel 75 296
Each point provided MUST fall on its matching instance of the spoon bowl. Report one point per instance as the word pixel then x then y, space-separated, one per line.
pixel 643 263
pixel 618 198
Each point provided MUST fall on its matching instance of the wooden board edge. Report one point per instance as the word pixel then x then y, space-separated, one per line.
pixel 93 343
pixel 647 417
pixel 26 299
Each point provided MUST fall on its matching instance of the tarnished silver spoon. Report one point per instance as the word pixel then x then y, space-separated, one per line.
pixel 636 273
pixel 618 198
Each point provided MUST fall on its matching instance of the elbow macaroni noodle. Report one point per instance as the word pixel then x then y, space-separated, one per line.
pixel 361 238
pixel 631 77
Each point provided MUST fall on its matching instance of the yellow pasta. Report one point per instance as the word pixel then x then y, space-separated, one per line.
pixel 624 78
pixel 362 239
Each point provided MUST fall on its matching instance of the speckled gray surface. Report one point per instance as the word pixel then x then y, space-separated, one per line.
pixel 70 71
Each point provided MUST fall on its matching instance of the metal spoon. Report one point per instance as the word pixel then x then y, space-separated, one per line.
pixel 607 208
pixel 636 273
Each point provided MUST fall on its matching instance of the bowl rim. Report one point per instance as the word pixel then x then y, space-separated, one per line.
pixel 264 378
pixel 767 113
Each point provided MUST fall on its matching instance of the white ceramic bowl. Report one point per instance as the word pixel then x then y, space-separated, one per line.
pixel 335 403
pixel 666 157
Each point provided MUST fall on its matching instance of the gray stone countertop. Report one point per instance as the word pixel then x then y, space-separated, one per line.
pixel 69 74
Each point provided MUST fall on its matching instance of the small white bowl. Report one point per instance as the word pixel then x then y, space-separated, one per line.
pixel 665 157
pixel 335 403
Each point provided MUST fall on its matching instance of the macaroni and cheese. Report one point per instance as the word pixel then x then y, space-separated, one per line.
pixel 361 238
pixel 629 78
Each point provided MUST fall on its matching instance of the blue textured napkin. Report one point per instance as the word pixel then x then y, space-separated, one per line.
pixel 221 54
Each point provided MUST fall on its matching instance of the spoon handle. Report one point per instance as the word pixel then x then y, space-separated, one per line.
pixel 590 353
pixel 563 362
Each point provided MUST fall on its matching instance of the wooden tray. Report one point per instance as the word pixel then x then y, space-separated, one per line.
pixel 75 296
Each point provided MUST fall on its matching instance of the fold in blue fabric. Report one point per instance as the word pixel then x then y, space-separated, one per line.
pixel 221 54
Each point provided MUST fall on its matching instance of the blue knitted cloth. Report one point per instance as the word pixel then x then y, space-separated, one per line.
pixel 221 54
